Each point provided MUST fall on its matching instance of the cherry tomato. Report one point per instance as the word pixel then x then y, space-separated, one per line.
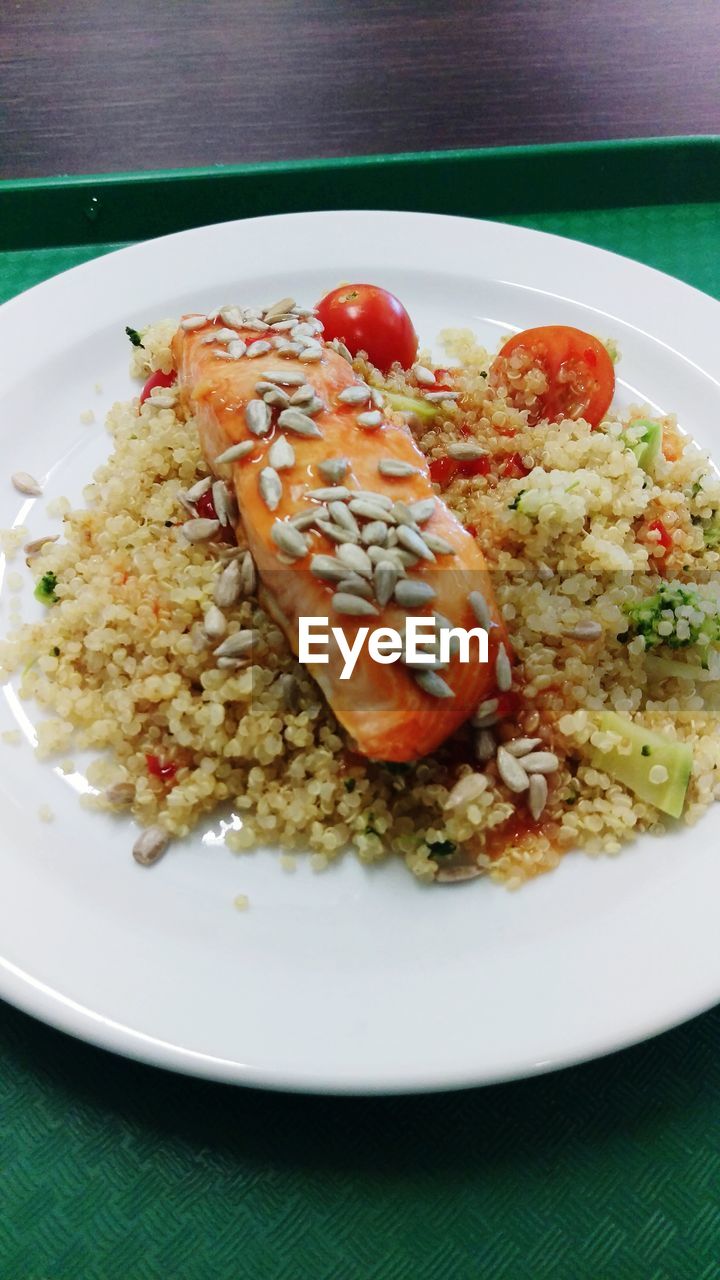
pixel 472 529
pixel 205 507
pixel 157 379
pixel 155 767
pixel 443 380
pixel 579 372
pixel 665 540
pixel 367 318
pixel 512 467
pixel 444 470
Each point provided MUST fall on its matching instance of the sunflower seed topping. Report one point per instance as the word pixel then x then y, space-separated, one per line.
pixel 259 348
pixel 310 355
pixel 355 586
pixel 285 377
pixel 193 322
pixel 35 547
pixel 385 578
pixel 469 788
pixel 397 467
pixel 369 420
pixel 335 533
pixel 341 349
pixel 479 606
pixel 270 486
pixel 511 771
pixel 424 377
pixel 277 397
pixel 328 569
pixel 336 493
pixel 237 349
pixel 485 746
pixel 521 746
pixel 257 417
pixel 374 534
pixel 483 710
pixel 356 394
pixel 303 394
pixel 120 793
pixel 413 542
pixel 313 407
pixel 236 645
pixel 352 605
pixel 228 585
pixel 151 845
pixel 334 469
pixel 380 499
pixel 248 575
pixel 197 490
pixel 439 545
pixel 289 540
pixel 235 452
pixel 200 530
pixel 422 510
pixel 356 559
pixel 503 670
pixel 223 502
pixel 432 683
pixel 300 423
pixel 340 514
pixel 25 483
pixel 587 630
pixel 278 308
pixel 370 510
pixel 537 795
pixel 281 454
pixel 540 762
pixel 435 397
pixel 304 519
pixel 214 622
pixel 412 593
pixel 465 450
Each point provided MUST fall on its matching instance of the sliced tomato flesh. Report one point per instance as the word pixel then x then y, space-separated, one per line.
pixel 578 372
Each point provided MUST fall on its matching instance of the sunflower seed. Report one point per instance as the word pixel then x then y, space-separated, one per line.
pixel 405 558
pixel 537 795
pixel 214 622
pixel 257 417
pixel 385 578
pixel 340 515
pixel 396 467
pixel 466 451
pixel 521 746
pixel 479 606
pixel 193 322
pixel 328 569
pixel 162 401
pixel 300 423
pixel 237 349
pixel 425 377
pixel 223 502
pixel 370 510
pixel 334 469
pixel 436 396
pixel 402 515
pixel 511 771
pixel 484 709
pixel 25 483
pixel 377 397
pixel 469 788
pixel 369 420
pixel 301 329
pixel 374 534
pixel 200 530
pixel 255 324
pixel 120 793
pixel 387 554
pixel 544 572
pixel 248 575
pixel 541 762
pixel 421 510
pixel 236 645
pixel 259 348
pixel 411 593
pixel 35 547
pixel 310 355
pixel 282 325
pixel 433 684
pixel 289 540
pixel 281 454
pixel 281 307
pixel 343 602
pixel 285 377
pixel 413 542
pixel 230 315
pixel 356 559
pixel 453 875
pixel 341 349
pixel 270 486
pixel 588 630
pixel 304 519
pixel 288 350
pixel 235 452
pixel 289 690
pixel 221 335
pixel 335 494
pixel 485 745
pixel 485 722
pixel 303 393
pixel 233 664
pixel 197 490
pixel 150 846
pixel 369 495
pixel 355 586
pixel 277 397
pixel 335 533
pixel 313 407
pixel 440 546
pixel 228 585
pixel 503 670
pixel 355 394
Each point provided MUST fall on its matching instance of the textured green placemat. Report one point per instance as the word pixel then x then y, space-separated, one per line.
pixel 109 1169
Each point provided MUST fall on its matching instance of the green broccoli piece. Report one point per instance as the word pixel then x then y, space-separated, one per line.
pixel 442 848
pixel 134 336
pixel 675 616
pixel 45 589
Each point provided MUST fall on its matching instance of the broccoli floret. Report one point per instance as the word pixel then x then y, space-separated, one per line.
pixel 45 589
pixel 675 616
pixel 134 336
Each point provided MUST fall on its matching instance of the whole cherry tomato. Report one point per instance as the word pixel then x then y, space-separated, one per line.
pixel 368 318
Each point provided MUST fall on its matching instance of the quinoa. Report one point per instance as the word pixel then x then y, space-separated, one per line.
pixel 119 665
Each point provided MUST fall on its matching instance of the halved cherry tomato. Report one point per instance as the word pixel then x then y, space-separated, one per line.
pixel 155 767
pixel 664 540
pixel 579 372
pixel 367 318
pixel 444 470
pixel 157 379
pixel 513 468
pixel 205 507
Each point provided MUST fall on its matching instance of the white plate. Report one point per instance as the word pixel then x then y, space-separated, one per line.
pixel 358 979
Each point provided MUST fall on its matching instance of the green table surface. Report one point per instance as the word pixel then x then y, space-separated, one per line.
pixel 612 1169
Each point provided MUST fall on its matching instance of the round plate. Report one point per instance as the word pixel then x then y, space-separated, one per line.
pixel 359 979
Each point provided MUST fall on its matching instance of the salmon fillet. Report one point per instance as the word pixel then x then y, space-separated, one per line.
pixel 236 378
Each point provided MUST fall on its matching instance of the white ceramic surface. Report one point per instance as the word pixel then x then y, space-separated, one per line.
pixel 358 979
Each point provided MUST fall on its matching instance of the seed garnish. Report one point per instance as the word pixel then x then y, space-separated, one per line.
pixel 336 493
pixel 537 795
pixel 541 762
pixel 436 396
pixel 270 486
pixel 289 540
pixel 485 746
pixel 259 348
pixel 303 394
pixel 328 569
pixel 370 510
pixel 248 575
pixel 200 530
pixel 229 585
pixel 193 322
pixel 503 670
pixel 281 454
pixel 466 790
pixel 223 502
pixel 214 622
pixel 300 423
pixel 374 533
pixel 341 349
pixel 355 394
pixel 356 559
pixel 25 483
pixel 397 467
pixel 335 533
pixel 35 547
pixel 421 510
pixel 285 377
pixel 352 605
pixel 588 630
pixel 277 397
pixel 511 771
pixel 423 376
pixel 385 578
pixel 151 845
pixel 439 545
pixel 355 586
pixel 479 606
pixel 433 684
pixel 257 417
pixel 369 420
pixel 334 469
pixel 413 542
pixel 412 593
pixel 521 746
pixel 466 451
pixel 236 451
pixel 340 514
pixel 236 645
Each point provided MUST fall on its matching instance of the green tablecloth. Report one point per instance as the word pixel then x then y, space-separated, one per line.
pixel 111 1169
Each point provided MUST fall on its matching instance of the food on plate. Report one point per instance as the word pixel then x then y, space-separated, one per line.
pixel 271 469
pixel 366 318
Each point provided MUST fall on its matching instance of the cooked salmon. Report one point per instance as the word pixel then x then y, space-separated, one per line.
pixel 328 461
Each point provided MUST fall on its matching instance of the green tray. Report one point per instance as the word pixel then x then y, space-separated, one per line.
pixel 113 1169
